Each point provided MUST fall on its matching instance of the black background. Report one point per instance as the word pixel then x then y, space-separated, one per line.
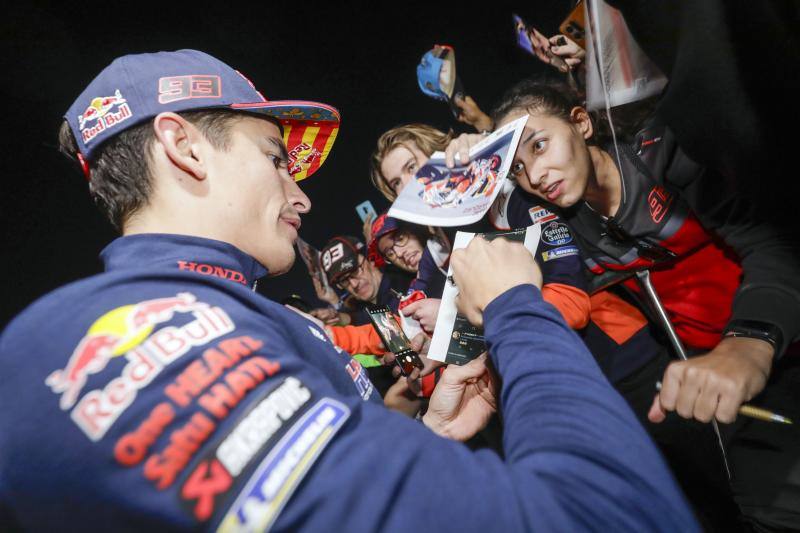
pixel 358 57
pixel 734 70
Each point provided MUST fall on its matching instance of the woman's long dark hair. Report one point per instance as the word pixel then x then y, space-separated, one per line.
pixel 555 97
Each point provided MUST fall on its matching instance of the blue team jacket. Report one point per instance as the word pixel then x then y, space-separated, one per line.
pixel 165 393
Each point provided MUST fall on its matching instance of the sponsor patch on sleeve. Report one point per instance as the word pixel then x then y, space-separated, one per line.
pixel 267 418
pixel 557 253
pixel 279 474
pixel 556 234
pixel 541 214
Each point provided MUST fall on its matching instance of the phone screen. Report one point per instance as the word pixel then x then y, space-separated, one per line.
pixel 394 339
pixel 364 209
pixel 389 330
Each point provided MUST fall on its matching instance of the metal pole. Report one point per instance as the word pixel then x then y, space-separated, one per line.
pixel 643 277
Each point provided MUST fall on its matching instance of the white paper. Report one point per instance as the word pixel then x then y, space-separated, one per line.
pixel 440 348
pixel 458 196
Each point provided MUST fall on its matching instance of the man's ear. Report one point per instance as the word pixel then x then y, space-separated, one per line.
pixel 182 143
pixel 580 118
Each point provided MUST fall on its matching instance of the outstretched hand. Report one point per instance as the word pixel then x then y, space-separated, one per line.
pixel 463 401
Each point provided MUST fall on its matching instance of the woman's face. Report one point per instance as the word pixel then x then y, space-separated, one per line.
pixel 552 159
pixel 401 164
pixel 402 248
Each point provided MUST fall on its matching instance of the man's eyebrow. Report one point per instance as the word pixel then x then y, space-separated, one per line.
pixel 278 143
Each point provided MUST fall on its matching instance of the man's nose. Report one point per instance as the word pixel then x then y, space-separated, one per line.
pixel 296 197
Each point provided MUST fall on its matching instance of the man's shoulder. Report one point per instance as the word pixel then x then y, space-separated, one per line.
pixel 117 301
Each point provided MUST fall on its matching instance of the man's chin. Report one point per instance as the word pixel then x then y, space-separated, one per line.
pixel 279 265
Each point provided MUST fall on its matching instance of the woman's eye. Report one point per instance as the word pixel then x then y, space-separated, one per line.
pixel 517 169
pixel 540 145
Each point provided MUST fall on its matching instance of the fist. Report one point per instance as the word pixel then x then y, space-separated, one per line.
pixel 484 270
pixel 716 384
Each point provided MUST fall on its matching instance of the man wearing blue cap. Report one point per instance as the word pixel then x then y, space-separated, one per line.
pixel 165 394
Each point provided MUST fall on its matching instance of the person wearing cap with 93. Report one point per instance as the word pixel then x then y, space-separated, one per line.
pixel 165 394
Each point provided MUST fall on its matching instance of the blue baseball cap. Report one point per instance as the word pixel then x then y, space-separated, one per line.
pixel 429 76
pixel 135 88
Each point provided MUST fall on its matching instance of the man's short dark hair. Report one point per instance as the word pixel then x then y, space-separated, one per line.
pixel 121 180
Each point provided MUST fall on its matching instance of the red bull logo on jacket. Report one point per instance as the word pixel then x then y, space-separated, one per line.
pixel 129 331
pixel 102 113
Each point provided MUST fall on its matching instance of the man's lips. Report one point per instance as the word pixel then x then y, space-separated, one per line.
pixel 292 221
pixel 412 259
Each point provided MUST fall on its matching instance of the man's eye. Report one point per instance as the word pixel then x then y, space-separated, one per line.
pixel 277 160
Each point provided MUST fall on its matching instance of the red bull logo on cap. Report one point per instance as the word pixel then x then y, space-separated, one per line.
pixel 102 113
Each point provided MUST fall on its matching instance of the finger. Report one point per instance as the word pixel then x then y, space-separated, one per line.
pixel 572 61
pixel 410 308
pixel 414 385
pixel 388 358
pixel 728 406
pixel 657 414
pixel 686 399
pixel 670 385
pixel 418 342
pixel 461 374
pixel 706 405
pixel 463 151
pixel 396 372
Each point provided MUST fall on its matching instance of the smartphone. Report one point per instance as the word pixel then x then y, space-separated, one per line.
pixel 364 209
pixel 574 26
pixel 524 42
pixel 394 339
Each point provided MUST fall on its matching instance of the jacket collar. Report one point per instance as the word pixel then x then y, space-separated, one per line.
pixel 183 252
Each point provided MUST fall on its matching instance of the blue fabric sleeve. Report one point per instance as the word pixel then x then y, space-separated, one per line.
pixel 575 457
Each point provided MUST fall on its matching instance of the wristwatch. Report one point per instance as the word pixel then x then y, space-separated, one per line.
pixel 755 329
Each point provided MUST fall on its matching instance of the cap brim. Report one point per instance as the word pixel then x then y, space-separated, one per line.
pixel 309 131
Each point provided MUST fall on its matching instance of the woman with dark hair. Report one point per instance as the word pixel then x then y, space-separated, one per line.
pixel 729 282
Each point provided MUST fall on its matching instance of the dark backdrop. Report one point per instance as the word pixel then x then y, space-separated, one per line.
pixel 359 57
pixel 734 71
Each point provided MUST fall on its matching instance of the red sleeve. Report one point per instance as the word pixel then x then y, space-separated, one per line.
pixel 572 302
pixel 357 339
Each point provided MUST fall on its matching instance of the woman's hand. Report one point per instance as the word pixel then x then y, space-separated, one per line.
pixel 460 146
pixel 567 49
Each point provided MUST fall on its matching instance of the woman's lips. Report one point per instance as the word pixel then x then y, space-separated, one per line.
pixel 554 190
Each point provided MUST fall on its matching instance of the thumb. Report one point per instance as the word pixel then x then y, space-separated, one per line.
pixel 657 414
pixel 417 342
pixel 455 374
